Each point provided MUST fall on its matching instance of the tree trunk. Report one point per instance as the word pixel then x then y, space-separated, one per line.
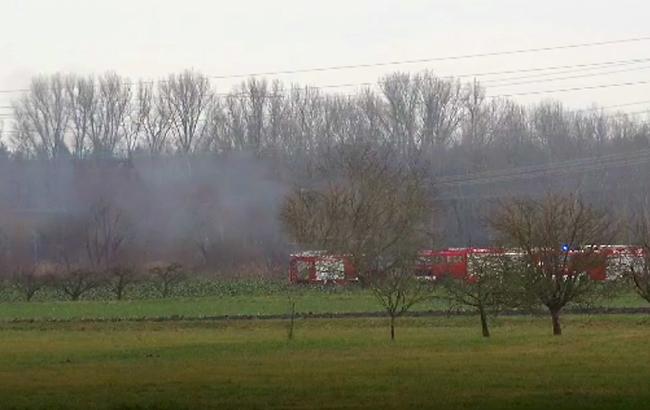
pixel 484 323
pixel 292 322
pixel 119 287
pixel 392 327
pixel 555 316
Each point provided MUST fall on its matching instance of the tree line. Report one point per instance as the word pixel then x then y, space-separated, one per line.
pixel 455 123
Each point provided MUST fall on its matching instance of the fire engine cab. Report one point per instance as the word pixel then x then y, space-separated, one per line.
pixel 321 267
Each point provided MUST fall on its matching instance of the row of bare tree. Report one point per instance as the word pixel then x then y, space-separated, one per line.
pixel 111 116
pixel 78 116
pixel 76 282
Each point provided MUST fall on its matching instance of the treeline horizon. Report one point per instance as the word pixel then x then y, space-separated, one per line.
pixel 179 173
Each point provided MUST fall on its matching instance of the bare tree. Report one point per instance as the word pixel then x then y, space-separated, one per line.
pixel 41 118
pixel 278 116
pixel 255 108
pixel 166 277
pixel 398 290
pixel 551 275
pixel 550 128
pixel 99 112
pixel 154 118
pixel 63 242
pixel 375 211
pixel 28 281
pixel 120 277
pixel 402 92
pixel 638 265
pixel 82 102
pixel 77 281
pixel 477 127
pixel 111 114
pixel 371 124
pixel 187 97
pixel 441 110
pixel 486 289
pixel 106 233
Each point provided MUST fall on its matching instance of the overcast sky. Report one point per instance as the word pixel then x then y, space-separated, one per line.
pixel 149 39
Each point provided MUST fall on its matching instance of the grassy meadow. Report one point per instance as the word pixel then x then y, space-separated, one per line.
pixel 196 299
pixel 101 353
pixel 601 362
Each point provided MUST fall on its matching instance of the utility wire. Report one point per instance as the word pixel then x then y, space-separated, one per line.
pixel 444 58
pixel 555 165
pixel 563 90
pixel 545 80
pixel 638 112
pixel 565 69
pixel 607 107
pixel 421 60
pixel 570 68
pixel 521 173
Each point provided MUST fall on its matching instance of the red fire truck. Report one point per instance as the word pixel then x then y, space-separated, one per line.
pixel 321 267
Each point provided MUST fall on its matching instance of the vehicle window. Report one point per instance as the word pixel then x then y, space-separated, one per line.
pixel 438 260
pixel 454 259
pixel 330 269
pixel 303 268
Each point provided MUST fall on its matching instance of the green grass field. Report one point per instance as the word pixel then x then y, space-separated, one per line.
pixel 194 307
pixel 235 299
pixel 64 354
pixel 601 362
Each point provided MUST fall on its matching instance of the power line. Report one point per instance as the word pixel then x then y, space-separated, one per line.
pixel 616 106
pixel 543 167
pixel 17 90
pixel 432 59
pixel 638 112
pixel 534 171
pixel 581 88
pixel 545 80
pixel 566 69
pixel 570 68
pixel 562 90
pixel 498 81
pixel 558 90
